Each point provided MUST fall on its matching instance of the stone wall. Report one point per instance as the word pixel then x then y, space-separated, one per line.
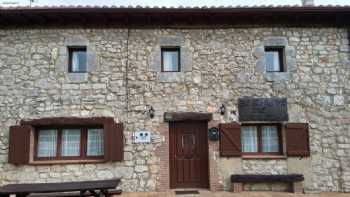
pixel 266 166
pixel 224 68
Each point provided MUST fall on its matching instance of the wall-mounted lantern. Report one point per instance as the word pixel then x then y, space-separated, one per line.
pixel 150 111
pixel 233 116
pixel 222 109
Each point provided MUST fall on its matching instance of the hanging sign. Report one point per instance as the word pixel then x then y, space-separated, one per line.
pixel 262 109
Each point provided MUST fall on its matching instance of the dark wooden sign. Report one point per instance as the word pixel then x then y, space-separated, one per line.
pixel 181 116
pixel 263 109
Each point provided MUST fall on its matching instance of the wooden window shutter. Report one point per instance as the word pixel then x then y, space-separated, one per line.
pixel 297 136
pixel 19 144
pixel 114 142
pixel 230 139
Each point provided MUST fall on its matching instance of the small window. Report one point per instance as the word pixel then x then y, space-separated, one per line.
pixel 274 58
pixel 170 59
pixel 77 60
pixel 69 143
pixel 261 139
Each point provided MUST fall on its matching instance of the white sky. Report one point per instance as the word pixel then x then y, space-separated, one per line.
pixel 169 3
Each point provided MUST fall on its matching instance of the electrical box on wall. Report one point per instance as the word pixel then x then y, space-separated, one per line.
pixel 142 137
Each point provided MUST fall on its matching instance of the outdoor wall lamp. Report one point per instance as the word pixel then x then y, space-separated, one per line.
pixel 150 111
pixel 222 109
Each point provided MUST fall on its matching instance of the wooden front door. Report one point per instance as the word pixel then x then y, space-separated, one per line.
pixel 189 155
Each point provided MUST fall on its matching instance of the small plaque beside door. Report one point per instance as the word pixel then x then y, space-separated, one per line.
pixel 142 137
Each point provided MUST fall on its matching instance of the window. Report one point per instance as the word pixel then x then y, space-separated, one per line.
pixel 170 59
pixel 261 139
pixel 77 60
pixel 63 140
pixel 69 143
pixel 274 58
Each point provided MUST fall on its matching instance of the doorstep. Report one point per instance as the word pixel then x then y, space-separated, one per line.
pixel 206 193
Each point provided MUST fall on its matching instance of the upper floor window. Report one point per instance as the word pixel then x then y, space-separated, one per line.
pixel 69 143
pixel 274 58
pixel 170 59
pixel 77 60
pixel 261 139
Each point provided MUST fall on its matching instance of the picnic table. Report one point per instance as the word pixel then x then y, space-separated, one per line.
pixel 85 188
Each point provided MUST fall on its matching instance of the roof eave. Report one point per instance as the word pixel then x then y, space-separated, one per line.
pixel 176 17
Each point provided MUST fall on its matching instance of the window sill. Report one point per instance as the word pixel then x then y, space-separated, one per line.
pixel 53 162
pixel 277 76
pixel 78 77
pixel 264 157
pixel 171 77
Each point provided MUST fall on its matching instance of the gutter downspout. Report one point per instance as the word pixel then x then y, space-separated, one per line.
pixel 127 74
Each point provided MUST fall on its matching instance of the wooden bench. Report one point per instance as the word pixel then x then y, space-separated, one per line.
pixel 295 179
pixel 73 194
pixel 59 194
pixel 82 188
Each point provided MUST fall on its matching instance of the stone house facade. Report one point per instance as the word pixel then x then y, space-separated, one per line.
pixel 220 63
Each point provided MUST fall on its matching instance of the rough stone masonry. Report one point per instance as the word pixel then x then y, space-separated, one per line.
pixel 222 65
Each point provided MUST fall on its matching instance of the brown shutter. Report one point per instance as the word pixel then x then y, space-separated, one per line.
pixel 230 139
pixel 19 144
pixel 114 142
pixel 297 135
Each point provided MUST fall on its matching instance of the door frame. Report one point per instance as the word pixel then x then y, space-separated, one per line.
pixel 171 164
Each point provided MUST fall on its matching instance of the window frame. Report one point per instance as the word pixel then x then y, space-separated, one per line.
pixel 281 57
pixel 260 140
pixel 59 157
pixel 71 50
pixel 171 49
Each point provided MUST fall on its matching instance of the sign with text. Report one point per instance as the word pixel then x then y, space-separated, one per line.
pixel 263 109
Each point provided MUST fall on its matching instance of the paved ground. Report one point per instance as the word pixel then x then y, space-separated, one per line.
pixel 229 194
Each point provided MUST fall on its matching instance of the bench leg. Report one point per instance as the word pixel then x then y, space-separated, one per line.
pixel 237 187
pixel 94 193
pixel 104 192
pixel 21 195
pixel 82 193
pixel 298 187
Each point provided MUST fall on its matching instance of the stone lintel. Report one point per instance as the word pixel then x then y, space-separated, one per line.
pixel 276 41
